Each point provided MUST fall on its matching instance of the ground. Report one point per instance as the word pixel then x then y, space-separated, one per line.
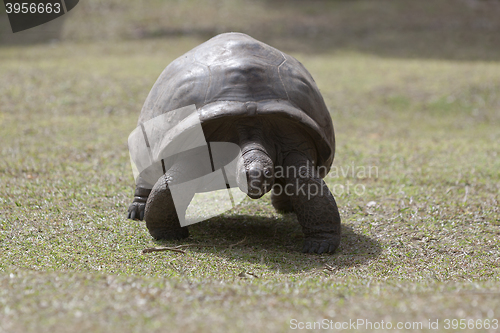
pixel 421 216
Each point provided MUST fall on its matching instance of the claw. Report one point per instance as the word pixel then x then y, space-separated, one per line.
pixel 136 211
pixel 314 247
pixel 321 245
pixel 332 248
pixel 323 248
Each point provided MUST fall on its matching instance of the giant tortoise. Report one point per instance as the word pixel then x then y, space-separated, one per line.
pixel 250 94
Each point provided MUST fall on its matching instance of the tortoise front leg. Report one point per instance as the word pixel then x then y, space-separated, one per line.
pixel 161 216
pixel 161 213
pixel 279 199
pixel 314 205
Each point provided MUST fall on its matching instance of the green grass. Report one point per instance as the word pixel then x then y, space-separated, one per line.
pixel 70 258
pixel 449 29
pixel 420 238
pixel 439 29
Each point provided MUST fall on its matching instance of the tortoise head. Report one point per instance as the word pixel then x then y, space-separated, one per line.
pixel 255 170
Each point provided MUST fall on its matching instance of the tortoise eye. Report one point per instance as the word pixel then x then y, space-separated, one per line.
pixel 268 172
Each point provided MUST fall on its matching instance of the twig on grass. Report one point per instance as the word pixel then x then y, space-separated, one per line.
pixel 239 243
pixel 159 249
pixel 179 247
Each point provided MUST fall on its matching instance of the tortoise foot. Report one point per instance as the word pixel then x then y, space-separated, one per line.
pixel 319 244
pixel 169 234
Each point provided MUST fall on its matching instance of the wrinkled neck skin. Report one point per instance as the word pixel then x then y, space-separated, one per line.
pixel 255 167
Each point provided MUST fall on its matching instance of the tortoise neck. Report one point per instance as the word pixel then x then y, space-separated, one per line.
pixel 252 138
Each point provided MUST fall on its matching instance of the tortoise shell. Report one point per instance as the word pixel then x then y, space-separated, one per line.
pixel 234 75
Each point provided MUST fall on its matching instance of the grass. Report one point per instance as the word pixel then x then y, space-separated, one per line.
pixel 420 233
pixel 441 29
pixel 450 29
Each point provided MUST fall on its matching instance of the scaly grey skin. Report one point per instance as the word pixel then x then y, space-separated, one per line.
pixel 301 190
pixel 255 168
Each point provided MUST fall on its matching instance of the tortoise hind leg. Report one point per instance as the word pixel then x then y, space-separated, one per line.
pixel 136 208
